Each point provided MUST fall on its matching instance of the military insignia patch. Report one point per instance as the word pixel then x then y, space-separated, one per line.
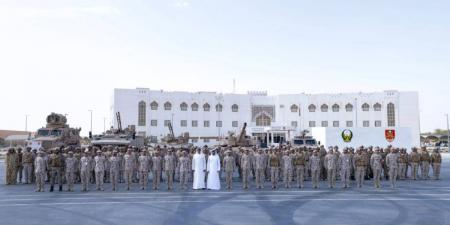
pixel 347 135
pixel 390 135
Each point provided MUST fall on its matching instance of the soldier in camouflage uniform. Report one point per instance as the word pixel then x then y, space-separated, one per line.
pixel 299 165
pixel 129 168
pixel 184 166
pixel 360 165
pixel 156 170
pixel 402 163
pixel 246 166
pixel 229 165
pixel 85 170
pixel 414 158
pixel 376 162
pixel 436 160
pixel 169 168
pixel 11 167
pixel 28 165
pixel 287 165
pixel 392 163
pixel 19 169
pixel 144 167
pixel 345 164
pixel 331 166
pixel 274 164
pixel 114 169
pixel 99 170
pixel 70 171
pixel 260 167
pixel 121 157
pixel 40 168
pixel 315 167
pixel 56 162
pixel 385 167
pixel 425 163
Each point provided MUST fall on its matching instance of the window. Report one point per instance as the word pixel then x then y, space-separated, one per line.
pixel 167 106
pixel 141 113
pixel 235 124
pixel 324 124
pixel 142 134
pixel 378 123
pixel 194 140
pixel 335 108
pixel 206 123
pixel 349 123
pixel 294 108
pixel 324 108
pixel 183 106
pixel 166 123
pixel 206 140
pixel 366 123
pixel 218 123
pixel 377 107
pixel 281 106
pixel 234 108
pixel 312 123
pixel 194 107
pixel 194 123
pixel 391 114
pixel 335 123
pixel 154 123
pixel 349 107
pixel 365 107
pixel 183 123
pixel 311 108
pixel 263 120
pixel 154 105
pixel 153 139
pixel 294 124
pixel 219 108
pixel 206 107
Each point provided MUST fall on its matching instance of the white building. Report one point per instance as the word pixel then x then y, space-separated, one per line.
pixel 209 115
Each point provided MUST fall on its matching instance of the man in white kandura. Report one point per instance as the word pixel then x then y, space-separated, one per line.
pixel 199 169
pixel 213 168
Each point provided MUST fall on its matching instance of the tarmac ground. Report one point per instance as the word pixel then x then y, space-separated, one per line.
pixel 420 202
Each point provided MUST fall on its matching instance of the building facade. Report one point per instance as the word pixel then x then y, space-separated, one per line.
pixel 208 116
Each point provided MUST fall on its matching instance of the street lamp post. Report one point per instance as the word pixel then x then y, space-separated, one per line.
pixel 90 110
pixel 26 122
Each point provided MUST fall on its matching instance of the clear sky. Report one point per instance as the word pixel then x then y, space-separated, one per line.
pixel 67 56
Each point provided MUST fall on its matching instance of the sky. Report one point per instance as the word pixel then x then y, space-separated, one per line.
pixel 68 56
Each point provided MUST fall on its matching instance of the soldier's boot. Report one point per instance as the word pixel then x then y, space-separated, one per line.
pixel 60 188
pixel 51 188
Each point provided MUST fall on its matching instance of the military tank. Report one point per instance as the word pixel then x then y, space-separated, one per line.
pixel 118 137
pixel 241 140
pixel 177 142
pixel 57 133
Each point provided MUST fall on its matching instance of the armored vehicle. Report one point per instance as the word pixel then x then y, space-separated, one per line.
pixel 56 133
pixel 172 141
pixel 241 140
pixel 304 140
pixel 118 137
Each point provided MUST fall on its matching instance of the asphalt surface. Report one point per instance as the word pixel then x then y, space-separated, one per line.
pixel 413 202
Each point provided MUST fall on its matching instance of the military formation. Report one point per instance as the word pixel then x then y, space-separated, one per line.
pixel 284 166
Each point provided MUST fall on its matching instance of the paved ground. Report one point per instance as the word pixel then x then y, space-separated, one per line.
pixel 419 202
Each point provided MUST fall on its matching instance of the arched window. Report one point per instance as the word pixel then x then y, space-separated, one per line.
pixel 194 107
pixel 263 120
pixel 219 108
pixel 391 114
pixel 324 108
pixel 206 107
pixel 312 108
pixel 377 107
pixel 167 106
pixel 294 108
pixel 234 108
pixel 365 107
pixel 349 107
pixel 154 105
pixel 141 113
pixel 183 106
pixel 335 108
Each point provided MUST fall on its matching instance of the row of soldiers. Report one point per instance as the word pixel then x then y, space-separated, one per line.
pixel 132 165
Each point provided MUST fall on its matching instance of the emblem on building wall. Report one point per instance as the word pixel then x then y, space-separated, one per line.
pixel 390 135
pixel 347 135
